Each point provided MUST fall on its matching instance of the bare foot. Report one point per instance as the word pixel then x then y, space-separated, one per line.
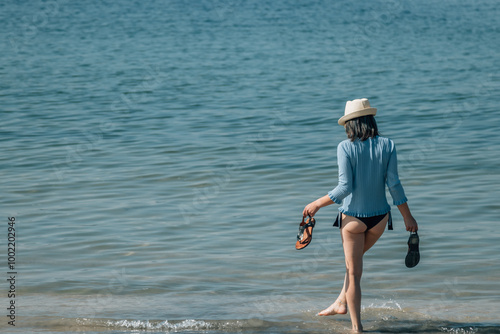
pixel 337 307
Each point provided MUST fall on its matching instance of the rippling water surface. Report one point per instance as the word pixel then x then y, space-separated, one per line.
pixel 157 157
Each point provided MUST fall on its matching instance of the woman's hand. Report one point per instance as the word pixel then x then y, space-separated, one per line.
pixel 411 224
pixel 311 209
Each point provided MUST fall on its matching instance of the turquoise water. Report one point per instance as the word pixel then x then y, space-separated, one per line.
pixel 157 157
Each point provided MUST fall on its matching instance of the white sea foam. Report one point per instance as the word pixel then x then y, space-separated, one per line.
pixel 164 325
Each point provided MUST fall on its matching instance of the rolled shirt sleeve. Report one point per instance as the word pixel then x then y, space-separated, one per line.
pixel 393 183
pixel 344 187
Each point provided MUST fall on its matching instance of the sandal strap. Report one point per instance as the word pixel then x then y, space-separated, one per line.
pixel 311 223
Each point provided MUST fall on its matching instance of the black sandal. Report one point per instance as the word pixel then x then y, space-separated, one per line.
pixel 304 236
pixel 413 256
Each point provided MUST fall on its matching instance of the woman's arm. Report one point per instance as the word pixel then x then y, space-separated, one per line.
pixel 344 186
pixel 313 207
pixel 410 222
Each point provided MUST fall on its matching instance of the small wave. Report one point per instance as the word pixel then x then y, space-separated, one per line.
pixel 460 330
pixel 176 325
pixel 190 324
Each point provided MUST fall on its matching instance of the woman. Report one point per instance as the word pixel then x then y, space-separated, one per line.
pixel 367 162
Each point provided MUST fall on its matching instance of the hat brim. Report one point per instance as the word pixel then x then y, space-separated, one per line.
pixel 356 114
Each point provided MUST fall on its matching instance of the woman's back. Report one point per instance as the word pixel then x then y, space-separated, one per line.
pixel 364 169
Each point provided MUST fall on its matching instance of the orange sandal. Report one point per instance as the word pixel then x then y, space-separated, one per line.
pixel 304 236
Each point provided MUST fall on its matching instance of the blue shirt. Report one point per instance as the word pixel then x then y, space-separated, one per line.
pixel 365 167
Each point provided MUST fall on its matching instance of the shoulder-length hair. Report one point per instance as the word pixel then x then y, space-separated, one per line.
pixel 361 128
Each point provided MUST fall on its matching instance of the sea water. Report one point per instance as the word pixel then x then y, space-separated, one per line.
pixel 157 156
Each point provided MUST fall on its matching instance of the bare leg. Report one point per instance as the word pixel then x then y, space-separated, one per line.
pixel 339 306
pixel 354 240
pixel 370 238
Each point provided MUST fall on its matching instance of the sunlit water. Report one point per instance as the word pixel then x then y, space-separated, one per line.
pixel 157 157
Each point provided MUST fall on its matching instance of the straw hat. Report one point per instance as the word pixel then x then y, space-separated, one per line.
pixel 357 108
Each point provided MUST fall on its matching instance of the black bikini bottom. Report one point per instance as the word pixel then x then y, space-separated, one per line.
pixel 370 222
